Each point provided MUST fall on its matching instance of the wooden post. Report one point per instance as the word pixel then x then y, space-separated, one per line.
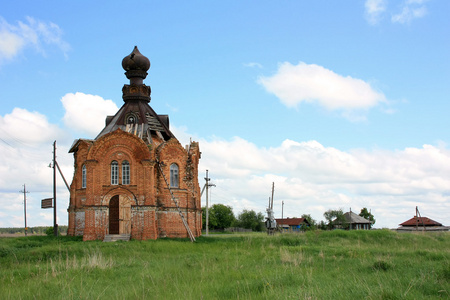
pixel 55 226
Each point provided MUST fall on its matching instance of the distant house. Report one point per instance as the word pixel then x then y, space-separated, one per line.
pixel 292 224
pixel 354 222
pixel 422 224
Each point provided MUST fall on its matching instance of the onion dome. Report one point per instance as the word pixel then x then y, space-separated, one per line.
pixel 136 65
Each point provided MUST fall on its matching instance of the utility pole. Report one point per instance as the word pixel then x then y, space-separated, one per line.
pixel 207 208
pixel 271 223
pixel 282 209
pixel 55 226
pixel 273 188
pixel 25 206
pixel 419 217
pixel 207 185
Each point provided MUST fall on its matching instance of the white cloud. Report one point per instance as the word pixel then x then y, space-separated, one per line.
pixel 28 127
pixel 294 84
pixel 253 65
pixel 31 33
pixel 86 113
pixel 26 140
pixel 374 10
pixel 411 9
pixel 311 178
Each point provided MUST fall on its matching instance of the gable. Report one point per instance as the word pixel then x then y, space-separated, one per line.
pixel 119 140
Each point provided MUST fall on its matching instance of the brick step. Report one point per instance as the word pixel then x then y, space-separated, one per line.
pixel 116 237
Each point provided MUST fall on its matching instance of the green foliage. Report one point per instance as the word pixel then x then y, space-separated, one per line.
pixel 249 219
pixel 367 215
pixel 39 230
pixel 322 225
pixel 335 219
pixel 50 231
pixel 358 264
pixel 311 221
pixel 220 217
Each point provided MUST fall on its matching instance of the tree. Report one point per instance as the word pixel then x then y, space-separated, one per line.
pixel 322 225
pixel 367 215
pixel 335 217
pixel 220 217
pixel 223 216
pixel 311 221
pixel 251 220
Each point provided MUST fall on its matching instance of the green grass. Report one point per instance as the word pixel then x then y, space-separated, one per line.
pixel 377 264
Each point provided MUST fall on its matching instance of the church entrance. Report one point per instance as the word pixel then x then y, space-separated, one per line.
pixel 120 214
pixel 114 215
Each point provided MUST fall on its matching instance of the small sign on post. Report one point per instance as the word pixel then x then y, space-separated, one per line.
pixel 47 203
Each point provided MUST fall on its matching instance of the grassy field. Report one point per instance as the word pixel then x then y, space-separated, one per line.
pixel 377 264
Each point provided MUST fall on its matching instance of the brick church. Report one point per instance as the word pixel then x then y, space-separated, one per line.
pixel 135 179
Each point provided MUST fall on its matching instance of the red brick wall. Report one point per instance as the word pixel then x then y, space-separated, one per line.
pixel 154 213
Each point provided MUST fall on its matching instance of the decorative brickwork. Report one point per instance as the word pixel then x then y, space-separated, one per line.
pixel 132 145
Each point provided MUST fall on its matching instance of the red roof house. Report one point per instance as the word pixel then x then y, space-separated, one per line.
pixel 422 223
pixel 292 224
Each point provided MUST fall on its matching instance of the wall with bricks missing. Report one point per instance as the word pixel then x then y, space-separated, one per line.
pixel 146 209
pixel 121 182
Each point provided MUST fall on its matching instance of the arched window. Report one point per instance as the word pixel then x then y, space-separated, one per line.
pixel 125 172
pixel 174 179
pixel 83 177
pixel 114 172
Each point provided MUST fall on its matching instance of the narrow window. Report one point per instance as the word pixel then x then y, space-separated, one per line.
pixel 83 177
pixel 174 175
pixel 114 172
pixel 125 172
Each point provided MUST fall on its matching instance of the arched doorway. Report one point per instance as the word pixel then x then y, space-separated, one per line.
pixel 114 215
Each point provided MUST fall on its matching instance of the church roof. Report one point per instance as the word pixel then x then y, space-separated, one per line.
pixel 146 121
pixel 136 116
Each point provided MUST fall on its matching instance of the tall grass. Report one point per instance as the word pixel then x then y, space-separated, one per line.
pixel 316 265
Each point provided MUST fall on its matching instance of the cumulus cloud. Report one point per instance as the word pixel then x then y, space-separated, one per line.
pixel 28 127
pixel 311 178
pixel 86 113
pixel 26 140
pixel 294 84
pixel 374 10
pixel 30 33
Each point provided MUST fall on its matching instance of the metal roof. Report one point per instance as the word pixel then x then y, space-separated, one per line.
pixel 420 221
pixel 292 221
pixel 353 218
pixel 147 118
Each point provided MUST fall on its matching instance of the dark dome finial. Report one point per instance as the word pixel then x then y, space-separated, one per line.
pixel 136 66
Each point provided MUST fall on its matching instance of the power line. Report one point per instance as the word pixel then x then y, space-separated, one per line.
pixel 19 141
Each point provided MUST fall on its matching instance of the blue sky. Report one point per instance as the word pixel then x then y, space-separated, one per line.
pixel 341 104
